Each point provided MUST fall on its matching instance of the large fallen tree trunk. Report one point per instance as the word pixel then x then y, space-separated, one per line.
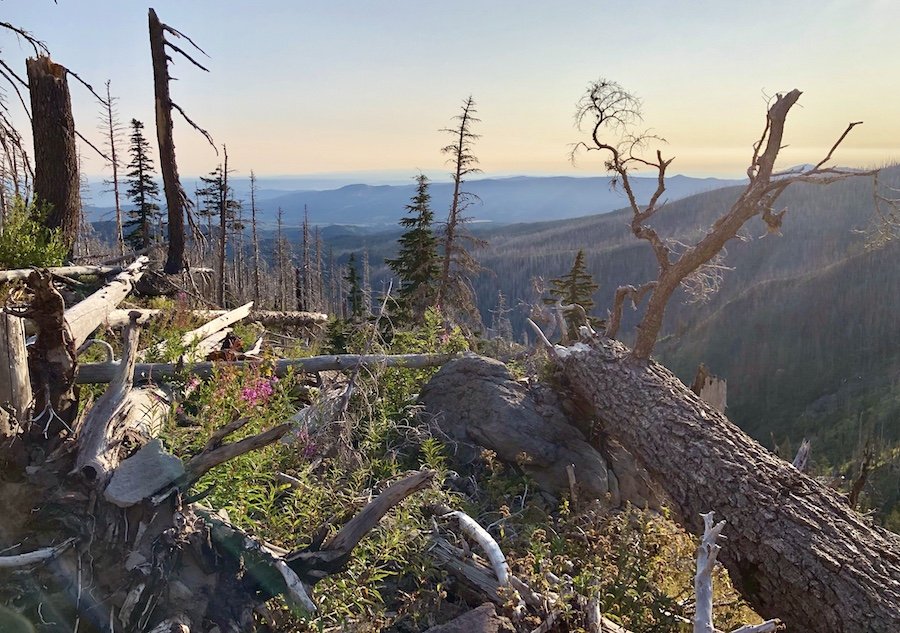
pixel 106 372
pixel 797 551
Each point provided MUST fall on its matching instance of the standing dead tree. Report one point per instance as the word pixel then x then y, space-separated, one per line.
pixel 801 553
pixel 455 295
pixel 56 181
pixel 606 108
pixel 176 199
pixel 112 130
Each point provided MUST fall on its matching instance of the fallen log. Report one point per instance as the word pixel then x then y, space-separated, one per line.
pixel 203 332
pixel 799 552
pixel 90 373
pixel 86 316
pixel 119 410
pixel 119 318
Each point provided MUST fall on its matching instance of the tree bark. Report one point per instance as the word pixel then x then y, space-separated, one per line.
pixel 175 195
pixel 56 179
pixel 797 551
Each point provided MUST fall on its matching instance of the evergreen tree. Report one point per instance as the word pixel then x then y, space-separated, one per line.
pixel 576 287
pixel 142 191
pixel 354 290
pixel 417 264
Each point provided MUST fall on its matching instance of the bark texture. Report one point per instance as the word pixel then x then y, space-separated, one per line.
pixel 55 157
pixel 796 550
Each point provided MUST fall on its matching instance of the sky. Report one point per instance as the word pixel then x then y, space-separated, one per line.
pixel 363 87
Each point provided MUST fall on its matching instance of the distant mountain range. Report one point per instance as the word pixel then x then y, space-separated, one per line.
pixel 499 200
pixel 805 326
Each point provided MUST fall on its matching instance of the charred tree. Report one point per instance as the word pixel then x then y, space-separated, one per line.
pixel 56 181
pixel 176 199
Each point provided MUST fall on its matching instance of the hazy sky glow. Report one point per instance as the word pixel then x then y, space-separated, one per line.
pixel 359 86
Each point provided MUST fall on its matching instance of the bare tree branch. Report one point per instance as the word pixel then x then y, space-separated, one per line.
pixel 195 126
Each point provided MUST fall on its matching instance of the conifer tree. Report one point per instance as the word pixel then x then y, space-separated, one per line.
pixel 142 191
pixel 417 263
pixel 354 290
pixel 576 287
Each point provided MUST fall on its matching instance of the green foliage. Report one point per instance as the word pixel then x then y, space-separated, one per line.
pixel 144 219
pixel 355 305
pixel 576 287
pixel 416 264
pixel 26 241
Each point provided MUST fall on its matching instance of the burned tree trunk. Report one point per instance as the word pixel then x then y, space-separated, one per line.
pixel 175 196
pixel 797 550
pixel 55 158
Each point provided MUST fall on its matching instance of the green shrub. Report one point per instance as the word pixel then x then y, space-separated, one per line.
pixel 25 241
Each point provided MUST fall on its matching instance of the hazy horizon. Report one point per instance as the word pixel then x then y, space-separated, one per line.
pixel 339 89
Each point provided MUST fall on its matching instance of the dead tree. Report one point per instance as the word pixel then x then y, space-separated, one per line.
pixel 608 109
pixel 56 181
pixel 799 552
pixel 455 294
pixel 176 199
pixel 113 130
pixel 255 238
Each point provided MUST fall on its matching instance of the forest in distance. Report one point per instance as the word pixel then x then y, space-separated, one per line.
pixel 636 402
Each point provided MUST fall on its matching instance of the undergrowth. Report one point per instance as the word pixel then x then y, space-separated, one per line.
pixel 638 564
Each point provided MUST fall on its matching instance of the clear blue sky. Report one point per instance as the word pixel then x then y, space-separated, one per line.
pixel 363 86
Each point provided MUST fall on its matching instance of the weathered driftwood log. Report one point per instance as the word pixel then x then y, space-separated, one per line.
pixel 86 316
pixel 105 372
pixel 799 552
pixel 15 388
pixel 119 318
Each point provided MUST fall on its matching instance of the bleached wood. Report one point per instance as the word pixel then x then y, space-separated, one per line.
pixel 119 318
pixel 15 386
pixel 61 271
pixel 105 372
pixel 86 316
pixel 486 542
pixel 118 409
pixel 801 460
pixel 206 330
pixel 296 591
pixel 32 558
pixel 703 583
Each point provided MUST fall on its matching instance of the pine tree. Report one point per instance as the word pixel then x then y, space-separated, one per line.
pixel 417 263
pixel 576 287
pixel 354 290
pixel 142 191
